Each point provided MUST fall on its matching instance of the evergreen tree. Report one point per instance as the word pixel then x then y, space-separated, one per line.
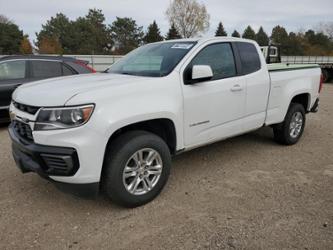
pixel 85 35
pixel 317 44
pixel 296 47
pixel 249 33
pixel 220 30
pixel 280 37
pixel 91 33
pixel 173 33
pixel 127 35
pixel 10 37
pixel 262 38
pixel 153 34
pixel 235 34
pixel 58 27
pixel 318 38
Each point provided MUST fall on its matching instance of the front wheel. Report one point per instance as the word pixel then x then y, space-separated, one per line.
pixel 291 129
pixel 136 168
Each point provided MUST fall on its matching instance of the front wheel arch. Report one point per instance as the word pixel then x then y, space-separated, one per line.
pixel 162 127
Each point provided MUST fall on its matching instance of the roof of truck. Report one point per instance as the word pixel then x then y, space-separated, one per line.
pixel 207 39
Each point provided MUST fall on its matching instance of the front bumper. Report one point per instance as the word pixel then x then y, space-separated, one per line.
pixel 44 160
pixel 50 161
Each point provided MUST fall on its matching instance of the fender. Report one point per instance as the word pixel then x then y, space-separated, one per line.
pixel 148 117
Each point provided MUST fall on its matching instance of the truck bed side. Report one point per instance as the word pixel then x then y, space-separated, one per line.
pixel 286 83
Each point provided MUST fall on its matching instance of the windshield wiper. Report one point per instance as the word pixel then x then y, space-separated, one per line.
pixel 127 73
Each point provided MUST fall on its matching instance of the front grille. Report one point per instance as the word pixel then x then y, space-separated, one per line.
pixel 26 108
pixel 62 165
pixel 23 130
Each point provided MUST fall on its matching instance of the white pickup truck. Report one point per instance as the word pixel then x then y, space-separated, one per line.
pixel 116 131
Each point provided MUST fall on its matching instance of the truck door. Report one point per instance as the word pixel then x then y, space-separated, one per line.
pixel 254 70
pixel 213 109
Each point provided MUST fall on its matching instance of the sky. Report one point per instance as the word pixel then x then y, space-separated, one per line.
pixel 294 15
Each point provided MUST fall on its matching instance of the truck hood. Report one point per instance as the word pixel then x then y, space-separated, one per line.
pixel 58 91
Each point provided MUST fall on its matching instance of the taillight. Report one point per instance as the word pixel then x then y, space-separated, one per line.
pixel 321 83
pixel 86 66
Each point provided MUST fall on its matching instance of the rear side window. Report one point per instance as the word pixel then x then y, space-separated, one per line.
pixel 66 71
pixel 219 57
pixel 77 68
pixel 249 57
pixel 12 70
pixel 46 69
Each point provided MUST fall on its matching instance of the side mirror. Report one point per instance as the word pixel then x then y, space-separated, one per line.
pixel 201 73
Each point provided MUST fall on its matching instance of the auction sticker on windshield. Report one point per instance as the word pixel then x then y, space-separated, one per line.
pixel 182 46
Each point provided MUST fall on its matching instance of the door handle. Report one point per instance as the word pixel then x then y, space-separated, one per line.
pixel 236 88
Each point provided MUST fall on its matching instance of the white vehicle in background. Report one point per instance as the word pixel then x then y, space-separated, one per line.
pixel 274 54
pixel 117 131
pixel 324 62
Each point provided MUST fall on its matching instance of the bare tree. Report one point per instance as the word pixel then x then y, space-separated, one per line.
pixel 189 17
pixel 326 28
pixel 4 19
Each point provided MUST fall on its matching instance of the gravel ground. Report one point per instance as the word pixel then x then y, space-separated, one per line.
pixel 243 193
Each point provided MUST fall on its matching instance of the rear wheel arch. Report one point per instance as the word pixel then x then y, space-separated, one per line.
pixel 294 120
pixel 303 99
pixel 300 98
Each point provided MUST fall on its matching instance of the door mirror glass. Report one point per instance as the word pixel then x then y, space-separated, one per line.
pixel 202 73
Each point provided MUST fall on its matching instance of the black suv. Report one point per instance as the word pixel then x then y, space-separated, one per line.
pixel 17 70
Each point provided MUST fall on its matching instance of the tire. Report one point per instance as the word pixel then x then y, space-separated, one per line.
pixel 125 151
pixel 283 132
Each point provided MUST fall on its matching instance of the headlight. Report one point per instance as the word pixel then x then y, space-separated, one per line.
pixel 61 118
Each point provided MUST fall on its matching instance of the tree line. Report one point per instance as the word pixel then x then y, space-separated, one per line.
pixel 90 34
pixel 308 43
pixel 85 35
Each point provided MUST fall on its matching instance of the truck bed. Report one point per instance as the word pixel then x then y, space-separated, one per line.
pixel 286 66
pixel 294 79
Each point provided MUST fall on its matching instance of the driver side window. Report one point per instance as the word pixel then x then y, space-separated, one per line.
pixel 220 58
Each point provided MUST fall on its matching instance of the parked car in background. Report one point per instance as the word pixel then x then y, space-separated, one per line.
pixel 17 70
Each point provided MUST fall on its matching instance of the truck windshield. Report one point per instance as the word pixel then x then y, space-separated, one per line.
pixel 154 60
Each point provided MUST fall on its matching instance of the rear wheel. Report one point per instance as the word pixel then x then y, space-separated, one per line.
pixel 136 168
pixel 290 131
